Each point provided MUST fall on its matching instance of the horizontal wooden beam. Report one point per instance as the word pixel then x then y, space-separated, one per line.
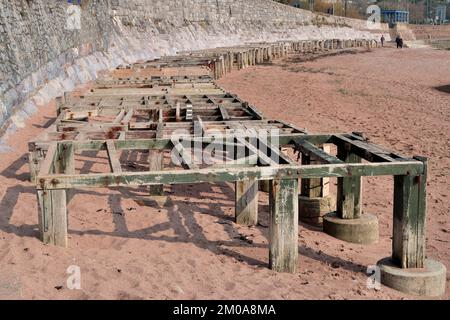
pixel 309 149
pixel 113 157
pixel 229 174
pixel 363 149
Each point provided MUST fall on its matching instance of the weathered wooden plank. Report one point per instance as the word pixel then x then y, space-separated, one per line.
pixel 156 163
pixel 68 159
pixel 315 187
pixel 267 160
pixel 127 118
pixel 408 242
pixel 199 127
pixel 113 158
pixel 160 130
pixel 246 205
pixel 178 112
pixel 229 174
pixel 348 205
pixel 53 216
pixel 119 116
pixel 47 165
pixel 365 150
pixel 186 156
pixel 224 113
pixel 310 150
pixel 283 228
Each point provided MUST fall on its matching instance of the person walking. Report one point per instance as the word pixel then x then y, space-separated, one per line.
pixel 397 41
pixel 382 40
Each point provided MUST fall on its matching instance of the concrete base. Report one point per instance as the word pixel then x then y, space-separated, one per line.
pixel 429 281
pixel 312 210
pixel 363 230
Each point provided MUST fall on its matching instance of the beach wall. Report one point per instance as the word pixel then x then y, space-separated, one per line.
pixel 43 52
pixel 429 32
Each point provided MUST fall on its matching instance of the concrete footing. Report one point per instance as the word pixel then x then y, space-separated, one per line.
pixel 312 210
pixel 363 230
pixel 429 281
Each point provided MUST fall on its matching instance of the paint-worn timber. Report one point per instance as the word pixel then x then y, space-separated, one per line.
pixel 314 200
pixel 146 111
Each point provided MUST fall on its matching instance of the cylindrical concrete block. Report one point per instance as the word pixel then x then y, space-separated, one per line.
pixel 363 230
pixel 429 281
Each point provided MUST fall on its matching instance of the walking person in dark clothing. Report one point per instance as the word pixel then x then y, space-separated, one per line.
pixel 397 41
pixel 382 40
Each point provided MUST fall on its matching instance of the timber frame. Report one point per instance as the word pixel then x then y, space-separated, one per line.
pixel 135 113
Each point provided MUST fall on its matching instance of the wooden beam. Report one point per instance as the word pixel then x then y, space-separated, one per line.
pixel 52 207
pixel 315 187
pixel 246 205
pixel 126 120
pixel 408 242
pixel 156 163
pixel 113 158
pixel 348 205
pixel 275 152
pixel 55 181
pixel 255 150
pixel 119 116
pixel 47 166
pixel 365 150
pixel 186 157
pixel 224 113
pixel 310 150
pixel 283 228
pixel 199 128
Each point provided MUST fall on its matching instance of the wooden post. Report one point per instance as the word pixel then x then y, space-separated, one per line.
pixel 318 187
pixel 283 229
pixel 35 157
pixel 59 105
pixel 178 112
pixel 156 162
pixel 348 204
pixel 52 205
pixel 247 202
pixel 408 242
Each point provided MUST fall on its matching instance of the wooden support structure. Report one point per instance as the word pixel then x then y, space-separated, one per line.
pixel 408 242
pixel 348 203
pixel 145 113
pixel 319 187
pixel 246 212
pixel 156 163
pixel 52 206
pixel 283 228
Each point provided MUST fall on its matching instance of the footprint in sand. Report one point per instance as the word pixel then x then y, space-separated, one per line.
pixel 229 286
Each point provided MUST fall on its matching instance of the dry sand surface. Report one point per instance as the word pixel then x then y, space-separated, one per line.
pixel 189 247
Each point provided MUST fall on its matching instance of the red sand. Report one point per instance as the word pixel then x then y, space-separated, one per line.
pixel 190 248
